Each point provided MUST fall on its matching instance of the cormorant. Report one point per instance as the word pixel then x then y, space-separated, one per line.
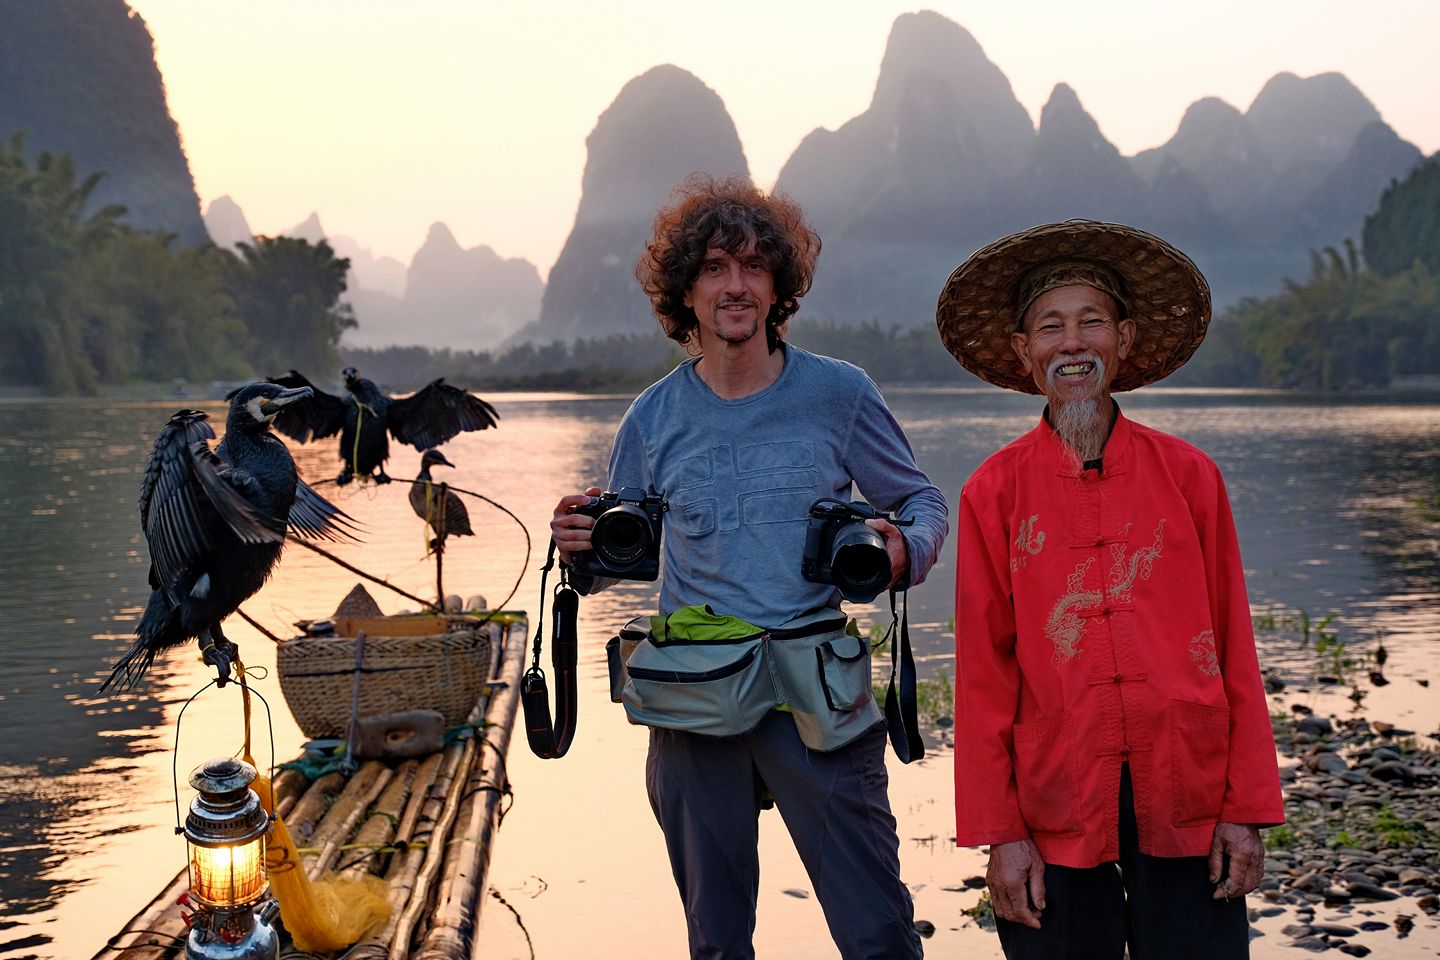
pixel 428 418
pixel 215 522
pixel 425 500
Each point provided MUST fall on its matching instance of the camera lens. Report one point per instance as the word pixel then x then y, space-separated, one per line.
pixel 621 536
pixel 859 563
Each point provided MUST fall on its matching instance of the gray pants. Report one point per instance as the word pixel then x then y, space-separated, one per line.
pixel 705 793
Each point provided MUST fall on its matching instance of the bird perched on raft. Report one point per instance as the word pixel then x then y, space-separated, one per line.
pixel 367 418
pixel 215 522
pixel 429 506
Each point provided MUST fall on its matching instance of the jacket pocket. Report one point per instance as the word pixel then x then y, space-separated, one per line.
pixel 1046 776
pixel 1199 752
pixel 844 665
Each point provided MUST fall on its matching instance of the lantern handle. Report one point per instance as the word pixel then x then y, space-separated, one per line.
pixel 175 755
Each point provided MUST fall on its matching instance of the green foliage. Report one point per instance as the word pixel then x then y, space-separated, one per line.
pixel 935 697
pixel 1405 229
pixel 621 363
pixel 87 301
pixel 983 913
pixel 1282 837
pixel 287 294
pixel 1344 328
pixel 889 354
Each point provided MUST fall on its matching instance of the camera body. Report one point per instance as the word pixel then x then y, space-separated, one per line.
pixel 841 549
pixel 625 540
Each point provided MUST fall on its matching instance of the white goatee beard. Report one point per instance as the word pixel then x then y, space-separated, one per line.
pixel 1080 422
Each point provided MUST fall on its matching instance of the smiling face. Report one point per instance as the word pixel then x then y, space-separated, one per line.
pixel 1072 342
pixel 731 297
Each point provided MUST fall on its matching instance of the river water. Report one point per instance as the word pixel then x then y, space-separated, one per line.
pixel 1334 501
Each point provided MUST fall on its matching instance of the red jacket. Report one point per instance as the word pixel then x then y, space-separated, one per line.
pixel 1102 618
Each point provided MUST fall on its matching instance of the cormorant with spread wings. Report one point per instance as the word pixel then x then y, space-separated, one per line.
pixel 215 522
pixel 367 417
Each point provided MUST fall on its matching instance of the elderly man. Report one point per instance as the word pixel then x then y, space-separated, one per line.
pixel 740 440
pixel 1117 756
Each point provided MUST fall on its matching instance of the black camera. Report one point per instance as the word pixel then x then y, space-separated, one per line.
pixel 625 541
pixel 841 549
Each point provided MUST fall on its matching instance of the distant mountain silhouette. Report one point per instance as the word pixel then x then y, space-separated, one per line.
pixel 467 299
pixel 79 77
pixel 945 160
pixel 662 126
pixel 310 230
pixel 448 297
pixel 369 272
pixel 935 167
pixel 226 223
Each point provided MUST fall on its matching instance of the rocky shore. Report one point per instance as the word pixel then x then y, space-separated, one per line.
pixel 1360 851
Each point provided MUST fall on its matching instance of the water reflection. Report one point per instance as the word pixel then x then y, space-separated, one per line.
pixel 1325 497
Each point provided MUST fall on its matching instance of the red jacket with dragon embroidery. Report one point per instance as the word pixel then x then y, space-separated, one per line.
pixel 1102 618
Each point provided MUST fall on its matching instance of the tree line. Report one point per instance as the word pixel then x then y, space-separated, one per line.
pixel 1365 316
pixel 86 300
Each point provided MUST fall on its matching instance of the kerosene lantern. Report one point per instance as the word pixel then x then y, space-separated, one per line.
pixel 226 829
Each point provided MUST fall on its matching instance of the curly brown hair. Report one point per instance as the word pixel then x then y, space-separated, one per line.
pixel 729 214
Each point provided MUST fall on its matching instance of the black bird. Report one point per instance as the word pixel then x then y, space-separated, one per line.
pixel 215 522
pixel 426 502
pixel 367 417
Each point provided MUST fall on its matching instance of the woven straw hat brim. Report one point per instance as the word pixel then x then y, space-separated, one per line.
pixel 1167 297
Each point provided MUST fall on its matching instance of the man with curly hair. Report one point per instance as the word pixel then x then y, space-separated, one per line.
pixel 741 439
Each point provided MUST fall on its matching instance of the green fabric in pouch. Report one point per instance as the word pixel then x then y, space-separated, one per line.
pixel 700 624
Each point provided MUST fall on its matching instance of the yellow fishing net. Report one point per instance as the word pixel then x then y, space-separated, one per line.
pixel 329 913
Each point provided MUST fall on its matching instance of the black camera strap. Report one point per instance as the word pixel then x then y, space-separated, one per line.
pixel 900 708
pixel 551 739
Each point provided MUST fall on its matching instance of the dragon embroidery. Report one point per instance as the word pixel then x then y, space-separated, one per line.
pixel 1065 627
pixel 1202 651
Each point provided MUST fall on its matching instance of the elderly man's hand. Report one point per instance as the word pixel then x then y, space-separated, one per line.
pixel 1241 844
pixel 895 547
pixel 1016 878
pixel 571 531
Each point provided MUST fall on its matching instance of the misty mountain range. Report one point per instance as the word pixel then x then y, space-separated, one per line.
pixel 944 160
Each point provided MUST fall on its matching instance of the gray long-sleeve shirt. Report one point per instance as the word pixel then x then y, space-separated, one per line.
pixel 740 476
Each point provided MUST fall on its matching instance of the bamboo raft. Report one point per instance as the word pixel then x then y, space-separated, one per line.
pixel 437 817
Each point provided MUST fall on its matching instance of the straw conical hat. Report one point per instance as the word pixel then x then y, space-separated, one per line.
pixel 1165 294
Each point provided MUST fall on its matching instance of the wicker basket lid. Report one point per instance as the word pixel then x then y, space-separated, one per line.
pixel 1166 296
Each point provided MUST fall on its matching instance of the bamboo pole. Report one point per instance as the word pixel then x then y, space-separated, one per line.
pixel 361 573
pixel 310 809
pixel 383 818
pixel 347 811
pixel 158 930
pixel 289 786
pixel 457 910
pixel 417 830
pixel 434 857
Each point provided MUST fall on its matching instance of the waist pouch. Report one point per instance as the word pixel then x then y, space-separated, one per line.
pixel 720 676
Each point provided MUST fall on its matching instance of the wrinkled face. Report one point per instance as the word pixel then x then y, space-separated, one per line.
pixel 1073 342
pixel 731 297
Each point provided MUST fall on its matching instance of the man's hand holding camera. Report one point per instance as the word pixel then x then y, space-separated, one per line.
pixel 611 534
pixel 895 547
pixel 570 530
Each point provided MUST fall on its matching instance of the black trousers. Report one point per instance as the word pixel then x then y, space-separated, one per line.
pixel 1159 906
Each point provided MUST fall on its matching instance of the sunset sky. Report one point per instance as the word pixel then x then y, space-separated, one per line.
pixel 385 117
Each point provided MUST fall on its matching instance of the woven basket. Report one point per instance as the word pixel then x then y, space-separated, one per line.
pixel 436 671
